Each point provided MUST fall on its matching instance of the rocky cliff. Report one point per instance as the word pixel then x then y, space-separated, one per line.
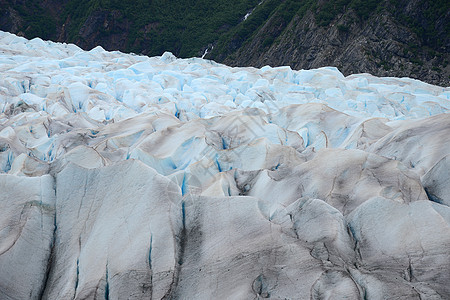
pixel 385 38
pixel 400 39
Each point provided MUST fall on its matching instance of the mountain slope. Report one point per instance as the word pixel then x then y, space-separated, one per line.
pixel 389 38
pixel 148 27
pixel 384 38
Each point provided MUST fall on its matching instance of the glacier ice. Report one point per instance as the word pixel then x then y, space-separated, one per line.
pixel 131 177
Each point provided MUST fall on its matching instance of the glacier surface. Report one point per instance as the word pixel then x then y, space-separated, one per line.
pixel 132 177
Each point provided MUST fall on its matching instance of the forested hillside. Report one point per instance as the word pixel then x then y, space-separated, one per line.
pixel 386 38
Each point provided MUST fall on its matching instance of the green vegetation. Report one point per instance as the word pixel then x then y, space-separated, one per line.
pixel 78 12
pixel 328 11
pixel 364 8
pixel 425 27
pixel 280 13
pixel 343 28
pixel 416 61
pixel 186 27
pixel 242 32
pixel 35 24
pixel 183 27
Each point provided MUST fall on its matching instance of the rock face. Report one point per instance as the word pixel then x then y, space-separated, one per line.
pixel 129 177
pixel 403 38
pixel 380 43
pixel 107 28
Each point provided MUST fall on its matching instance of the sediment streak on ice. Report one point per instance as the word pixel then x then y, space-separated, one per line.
pixel 124 176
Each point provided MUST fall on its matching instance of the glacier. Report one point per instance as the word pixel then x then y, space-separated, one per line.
pixel 131 177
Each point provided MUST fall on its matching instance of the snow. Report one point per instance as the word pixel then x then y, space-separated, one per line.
pixel 207 51
pixel 251 11
pixel 126 176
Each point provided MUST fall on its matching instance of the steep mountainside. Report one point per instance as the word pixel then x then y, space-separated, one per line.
pixel 385 38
